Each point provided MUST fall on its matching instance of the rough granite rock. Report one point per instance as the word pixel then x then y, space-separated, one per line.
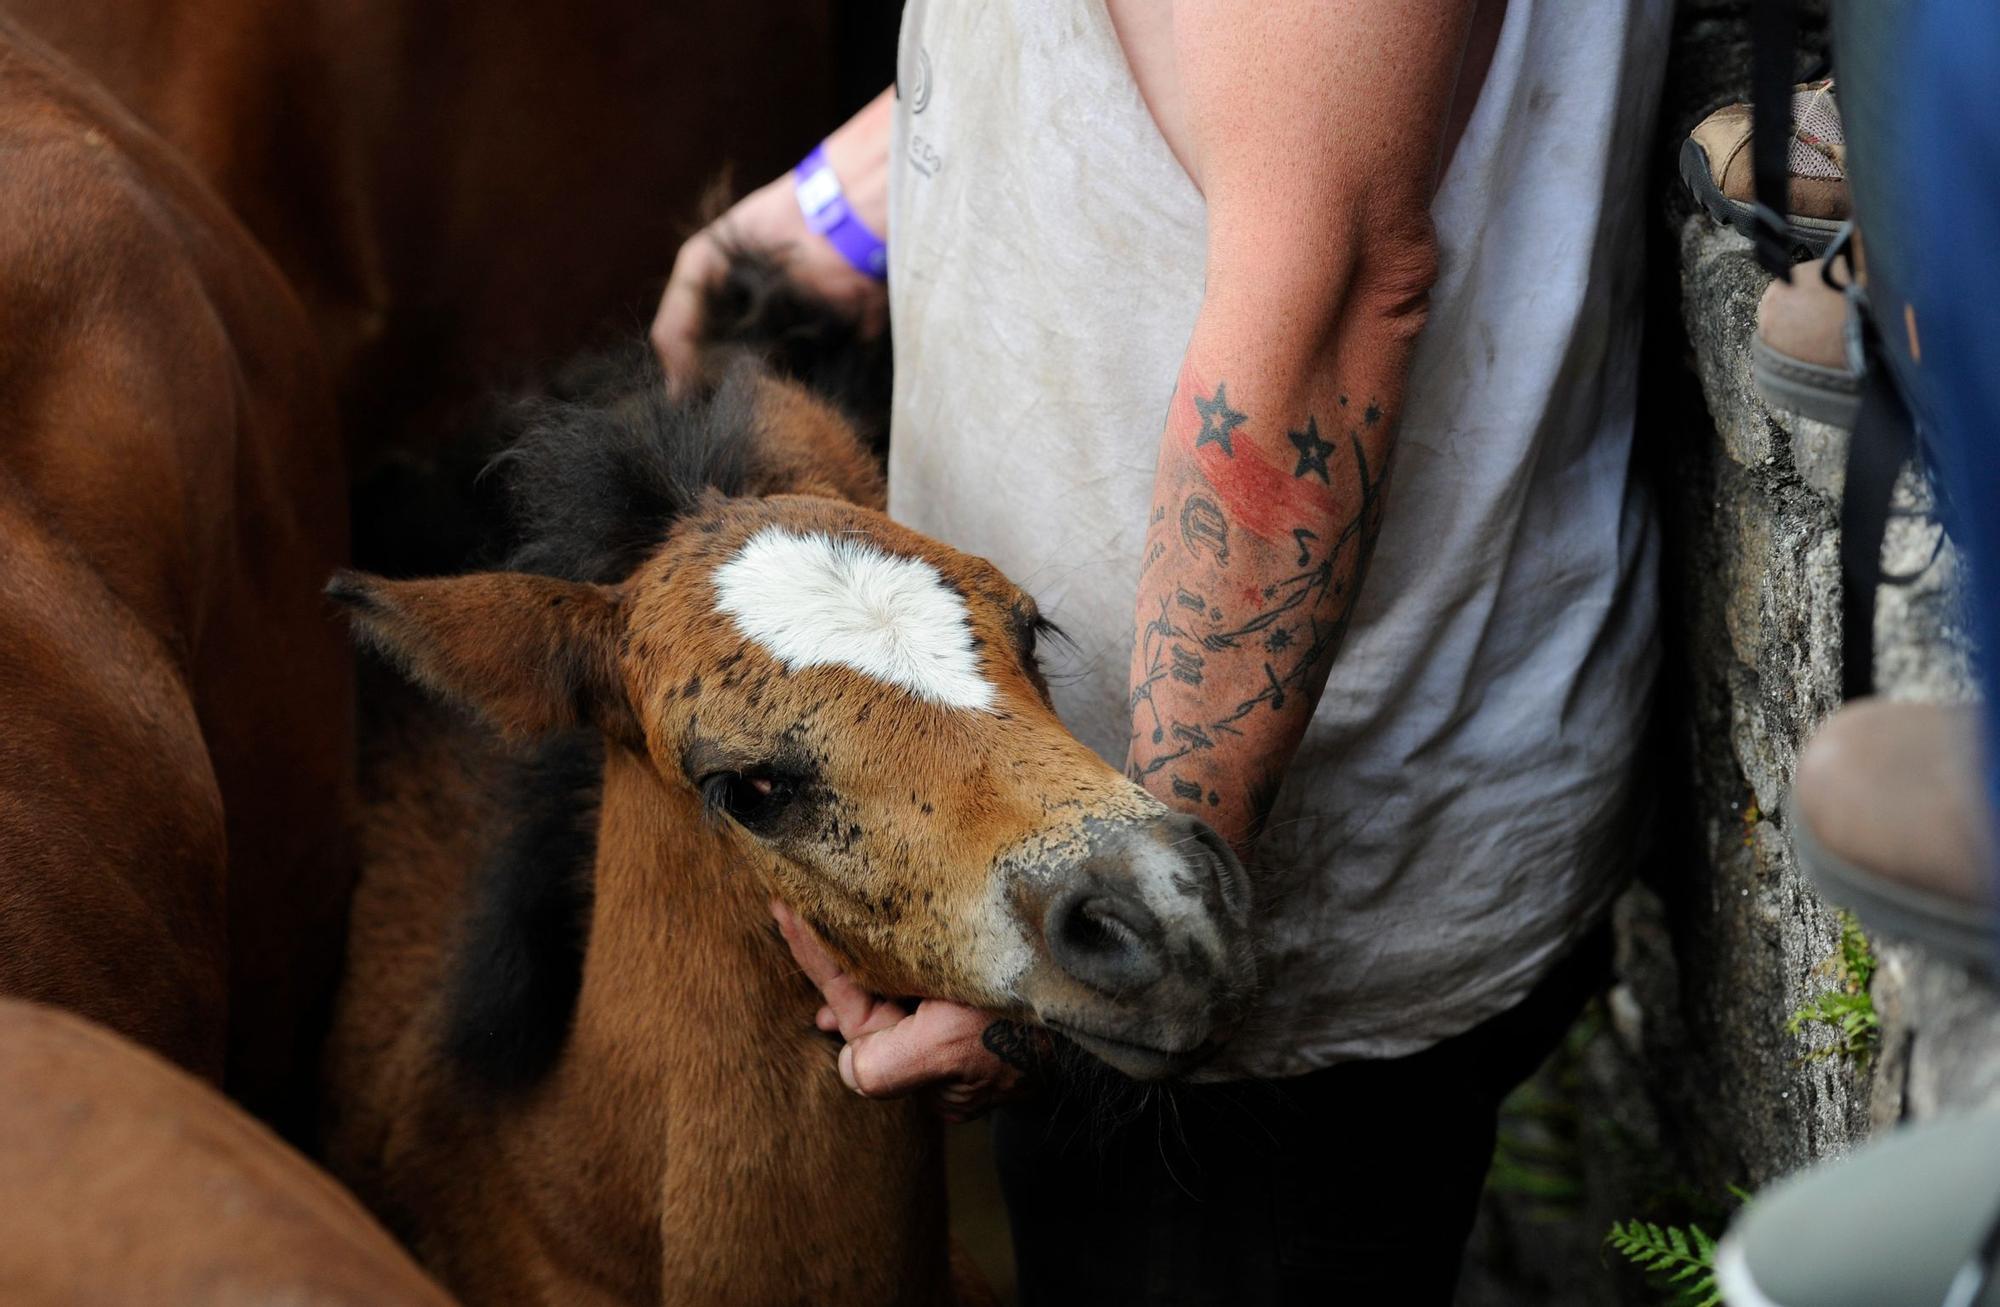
pixel 1685 1083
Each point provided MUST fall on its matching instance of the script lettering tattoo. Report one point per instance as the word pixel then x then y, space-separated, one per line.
pixel 1278 635
pixel 1187 666
pixel 1204 529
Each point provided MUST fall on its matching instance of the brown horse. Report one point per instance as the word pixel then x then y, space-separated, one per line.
pixel 125 1180
pixel 459 192
pixel 174 855
pixel 573 1060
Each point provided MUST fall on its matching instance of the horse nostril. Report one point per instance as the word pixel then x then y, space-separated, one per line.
pixel 1092 929
pixel 1109 941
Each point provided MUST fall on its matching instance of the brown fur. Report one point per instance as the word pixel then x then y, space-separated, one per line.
pixel 692 1144
pixel 178 747
pixel 462 191
pixel 125 1180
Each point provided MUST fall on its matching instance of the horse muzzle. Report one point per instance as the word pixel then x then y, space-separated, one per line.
pixel 1145 957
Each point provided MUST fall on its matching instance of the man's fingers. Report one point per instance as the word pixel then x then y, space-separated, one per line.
pixel 676 329
pixel 855 1010
pixel 811 955
pixel 888 1063
pixel 940 1041
pixel 891 1052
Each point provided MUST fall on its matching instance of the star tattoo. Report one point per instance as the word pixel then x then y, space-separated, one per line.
pixel 1312 451
pixel 1217 420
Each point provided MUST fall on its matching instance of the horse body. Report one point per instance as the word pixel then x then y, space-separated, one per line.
pixel 677 1133
pixel 179 743
pixel 688 1147
pixel 126 1180
pixel 459 192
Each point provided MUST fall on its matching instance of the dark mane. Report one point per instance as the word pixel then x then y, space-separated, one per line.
pixel 598 470
pixel 512 987
pixel 605 463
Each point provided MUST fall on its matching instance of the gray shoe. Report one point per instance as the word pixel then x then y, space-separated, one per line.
pixel 1892 822
pixel 1911 1220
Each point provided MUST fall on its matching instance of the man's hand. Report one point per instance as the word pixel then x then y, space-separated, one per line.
pixel 967 1061
pixel 768 219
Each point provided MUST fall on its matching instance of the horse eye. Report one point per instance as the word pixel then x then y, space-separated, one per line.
pixel 749 799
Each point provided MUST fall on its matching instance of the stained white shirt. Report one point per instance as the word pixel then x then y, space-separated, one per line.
pixel 1458 813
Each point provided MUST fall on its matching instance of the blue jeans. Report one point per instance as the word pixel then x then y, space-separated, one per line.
pixel 1945 130
pixel 1916 101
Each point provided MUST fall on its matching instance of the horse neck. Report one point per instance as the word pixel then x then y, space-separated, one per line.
pixel 694 1074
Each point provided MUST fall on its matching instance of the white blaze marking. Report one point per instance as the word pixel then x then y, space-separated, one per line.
pixel 817 601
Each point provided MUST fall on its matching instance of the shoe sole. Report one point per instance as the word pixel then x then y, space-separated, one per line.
pixel 1963 934
pixel 1811 390
pixel 1810 234
pixel 1733 1280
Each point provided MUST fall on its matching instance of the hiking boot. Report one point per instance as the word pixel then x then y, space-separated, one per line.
pixel 1905 1221
pixel 1800 358
pixel 1893 822
pixel 1715 164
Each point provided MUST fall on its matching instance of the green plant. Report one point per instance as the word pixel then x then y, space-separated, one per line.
pixel 1679 1262
pixel 1848 1010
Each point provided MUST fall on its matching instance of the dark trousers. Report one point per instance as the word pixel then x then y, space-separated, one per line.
pixel 1348 1187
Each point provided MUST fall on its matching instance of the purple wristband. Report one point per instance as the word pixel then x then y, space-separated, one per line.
pixel 827 212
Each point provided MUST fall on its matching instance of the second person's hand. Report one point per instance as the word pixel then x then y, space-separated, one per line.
pixel 965 1061
pixel 769 220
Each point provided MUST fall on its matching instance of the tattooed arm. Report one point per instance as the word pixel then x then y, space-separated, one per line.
pixel 1314 129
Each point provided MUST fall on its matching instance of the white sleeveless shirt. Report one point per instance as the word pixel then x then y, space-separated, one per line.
pixel 1455 817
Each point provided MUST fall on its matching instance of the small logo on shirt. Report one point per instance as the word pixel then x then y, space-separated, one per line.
pixel 924 156
pixel 920 94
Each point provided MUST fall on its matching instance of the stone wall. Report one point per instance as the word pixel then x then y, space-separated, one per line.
pixel 1684 1084
pixel 1757 588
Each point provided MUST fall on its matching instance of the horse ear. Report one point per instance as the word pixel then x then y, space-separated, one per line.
pixel 530 653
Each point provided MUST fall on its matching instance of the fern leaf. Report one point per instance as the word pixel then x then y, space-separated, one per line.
pixel 1678 1261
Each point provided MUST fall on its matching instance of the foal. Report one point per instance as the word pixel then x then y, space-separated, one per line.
pixel 573 1061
